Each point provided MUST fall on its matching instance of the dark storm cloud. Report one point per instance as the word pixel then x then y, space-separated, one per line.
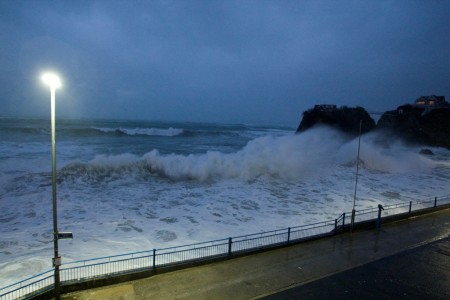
pixel 221 60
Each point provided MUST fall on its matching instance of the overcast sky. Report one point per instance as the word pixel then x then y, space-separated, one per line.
pixel 224 61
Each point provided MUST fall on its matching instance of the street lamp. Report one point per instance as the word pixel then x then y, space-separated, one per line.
pixel 53 81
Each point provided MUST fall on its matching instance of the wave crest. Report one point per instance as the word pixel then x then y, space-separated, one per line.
pixel 281 157
pixel 104 168
pixel 143 131
pixel 312 153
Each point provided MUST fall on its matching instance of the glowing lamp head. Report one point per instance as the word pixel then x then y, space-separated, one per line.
pixel 52 80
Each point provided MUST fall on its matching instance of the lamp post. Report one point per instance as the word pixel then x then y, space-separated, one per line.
pixel 54 82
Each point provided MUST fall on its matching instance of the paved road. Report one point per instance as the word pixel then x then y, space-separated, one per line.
pixel 348 266
pixel 418 273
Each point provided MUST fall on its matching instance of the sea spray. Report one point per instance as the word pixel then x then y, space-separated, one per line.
pixel 291 157
pixel 394 157
pixel 121 193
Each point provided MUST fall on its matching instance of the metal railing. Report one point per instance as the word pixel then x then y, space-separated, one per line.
pixel 399 208
pixel 109 266
pixel 29 287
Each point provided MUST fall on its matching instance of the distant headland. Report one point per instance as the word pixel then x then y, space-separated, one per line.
pixel 424 122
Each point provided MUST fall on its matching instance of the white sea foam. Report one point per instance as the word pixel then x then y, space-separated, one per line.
pixel 396 158
pixel 118 201
pixel 290 156
pixel 294 156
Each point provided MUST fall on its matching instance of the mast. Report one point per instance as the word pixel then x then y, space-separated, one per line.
pixel 357 172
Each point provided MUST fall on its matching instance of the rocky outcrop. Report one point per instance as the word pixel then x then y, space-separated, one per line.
pixel 419 125
pixel 345 118
pixel 426 122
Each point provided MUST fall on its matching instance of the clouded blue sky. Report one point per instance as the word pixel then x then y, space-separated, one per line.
pixel 225 61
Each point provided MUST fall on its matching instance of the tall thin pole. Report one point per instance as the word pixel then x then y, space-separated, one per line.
pixel 357 172
pixel 56 259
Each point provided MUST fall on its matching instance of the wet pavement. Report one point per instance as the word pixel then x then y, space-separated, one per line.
pixel 408 259
pixel 418 273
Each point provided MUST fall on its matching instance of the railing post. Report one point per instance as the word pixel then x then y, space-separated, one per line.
pixel 353 219
pixel 410 205
pixel 335 226
pixel 435 201
pixel 154 258
pixel 380 207
pixel 343 220
pixel 289 235
pixel 230 241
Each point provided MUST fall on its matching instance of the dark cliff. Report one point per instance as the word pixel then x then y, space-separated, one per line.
pixel 419 125
pixel 422 123
pixel 346 119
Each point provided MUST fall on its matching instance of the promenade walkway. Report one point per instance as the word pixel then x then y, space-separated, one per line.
pixel 392 262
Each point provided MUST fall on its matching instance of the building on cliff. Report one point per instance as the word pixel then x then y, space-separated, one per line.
pixel 430 100
pixel 428 103
pixel 425 122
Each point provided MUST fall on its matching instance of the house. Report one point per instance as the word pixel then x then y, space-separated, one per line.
pixel 428 103
pixel 432 100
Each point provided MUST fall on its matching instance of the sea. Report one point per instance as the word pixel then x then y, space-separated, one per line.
pixel 127 186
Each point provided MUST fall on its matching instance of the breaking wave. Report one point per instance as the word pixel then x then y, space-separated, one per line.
pixel 143 131
pixel 309 154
